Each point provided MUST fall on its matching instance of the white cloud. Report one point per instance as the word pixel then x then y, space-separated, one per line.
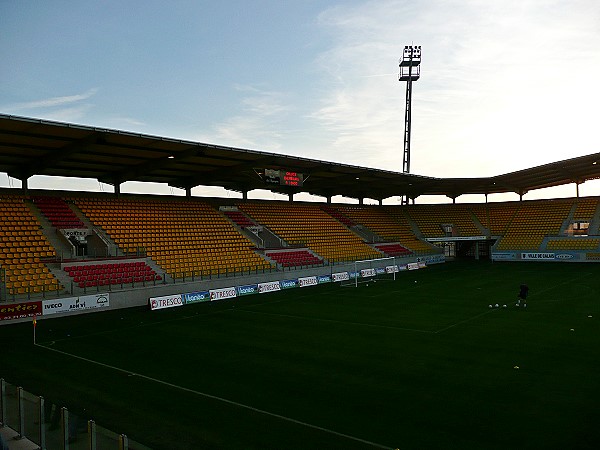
pixel 258 123
pixel 54 101
pixel 123 123
pixel 69 108
pixel 75 113
pixel 504 85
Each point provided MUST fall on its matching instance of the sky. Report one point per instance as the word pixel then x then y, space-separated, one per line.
pixel 504 85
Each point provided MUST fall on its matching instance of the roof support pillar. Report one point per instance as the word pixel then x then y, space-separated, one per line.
pixel 290 197
pixel 244 195
pixel 577 188
pixel 25 184
pixel 521 193
pixel 361 201
pixel 118 189
pixel 188 192
pixel 329 199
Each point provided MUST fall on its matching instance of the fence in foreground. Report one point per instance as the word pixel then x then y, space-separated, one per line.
pixel 53 427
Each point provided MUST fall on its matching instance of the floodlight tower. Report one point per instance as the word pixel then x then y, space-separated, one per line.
pixel 410 70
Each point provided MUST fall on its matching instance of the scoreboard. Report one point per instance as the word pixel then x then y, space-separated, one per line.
pixel 284 177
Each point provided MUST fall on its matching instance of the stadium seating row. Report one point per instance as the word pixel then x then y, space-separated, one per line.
pixel 199 249
pixel 239 219
pixel 309 225
pixel 393 249
pixel 58 212
pixel 190 236
pixel 90 275
pixel 294 258
pixel 20 262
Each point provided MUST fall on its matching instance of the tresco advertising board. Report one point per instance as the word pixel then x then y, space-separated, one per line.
pixel 307 281
pixel 166 301
pixel 340 276
pixel 271 286
pixel 222 294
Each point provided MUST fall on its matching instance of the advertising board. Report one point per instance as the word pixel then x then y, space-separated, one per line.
pixel 166 301
pixel 564 256
pixel 538 256
pixel 288 284
pixel 323 279
pixel 20 310
pixel 341 276
pixel 391 269
pixel 72 304
pixel 367 273
pixel 435 259
pixel 505 256
pixel 222 294
pixel 247 290
pixel 270 286
pixel 307 281
pixel 196 297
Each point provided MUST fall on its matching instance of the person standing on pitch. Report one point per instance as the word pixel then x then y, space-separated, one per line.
pixel 522 295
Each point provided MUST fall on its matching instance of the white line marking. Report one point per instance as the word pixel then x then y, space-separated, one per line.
pixel 221 399
pixel 464 321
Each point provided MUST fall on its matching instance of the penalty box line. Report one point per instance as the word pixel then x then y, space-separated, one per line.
pixel 221 399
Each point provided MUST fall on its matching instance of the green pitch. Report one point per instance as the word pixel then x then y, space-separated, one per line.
pixel 395 364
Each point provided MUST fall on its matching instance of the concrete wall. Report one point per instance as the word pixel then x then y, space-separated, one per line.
pixel 139 296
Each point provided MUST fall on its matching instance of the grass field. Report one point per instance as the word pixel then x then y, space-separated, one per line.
pixel 416 363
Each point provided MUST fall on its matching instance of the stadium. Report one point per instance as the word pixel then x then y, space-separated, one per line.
pixel 186 322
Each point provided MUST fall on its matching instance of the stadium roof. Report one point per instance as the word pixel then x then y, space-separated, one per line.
pixel 40 147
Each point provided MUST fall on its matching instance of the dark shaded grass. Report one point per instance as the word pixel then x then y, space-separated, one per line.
pixel 402 364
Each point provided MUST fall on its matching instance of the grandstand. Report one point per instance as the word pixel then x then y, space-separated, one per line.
pixel 45 234
pixel 69 247
pixel 184 239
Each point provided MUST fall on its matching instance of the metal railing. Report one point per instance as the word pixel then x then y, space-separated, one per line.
pixel 177 277
pixel 52 427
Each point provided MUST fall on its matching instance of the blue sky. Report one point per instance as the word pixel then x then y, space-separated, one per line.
pixel 504 86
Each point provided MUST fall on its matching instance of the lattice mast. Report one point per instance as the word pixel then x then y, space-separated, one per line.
pixel 410 70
